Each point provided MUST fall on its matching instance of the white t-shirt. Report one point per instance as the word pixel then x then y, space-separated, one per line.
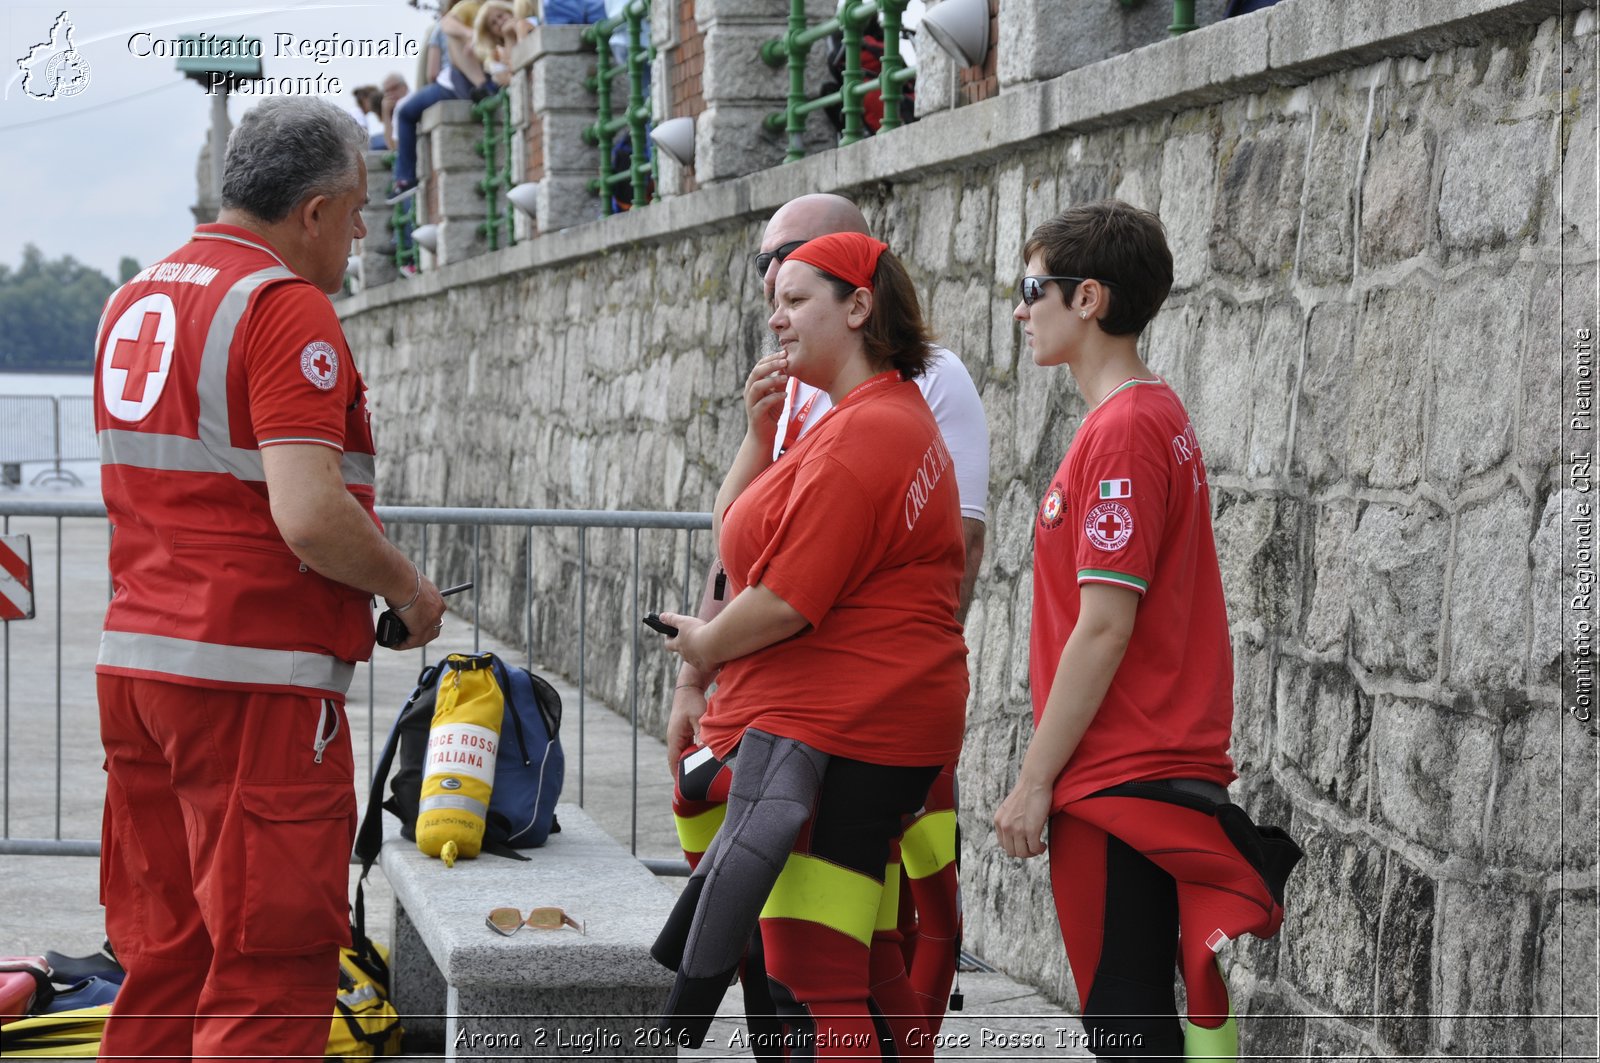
pixel 956 407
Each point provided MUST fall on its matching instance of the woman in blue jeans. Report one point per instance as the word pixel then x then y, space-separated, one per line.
pixel 453 38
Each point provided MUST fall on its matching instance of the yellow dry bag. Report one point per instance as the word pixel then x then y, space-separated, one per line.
pixel 463 744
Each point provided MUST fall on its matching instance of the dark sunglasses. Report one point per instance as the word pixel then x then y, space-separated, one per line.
pixel 764 258
pixel 1033 287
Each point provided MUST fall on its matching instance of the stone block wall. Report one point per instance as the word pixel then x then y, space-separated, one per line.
pixel 1385 242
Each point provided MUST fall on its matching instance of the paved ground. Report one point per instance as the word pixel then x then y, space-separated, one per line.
pixel 50 734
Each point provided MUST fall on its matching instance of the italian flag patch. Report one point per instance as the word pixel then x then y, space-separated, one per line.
pixel 1116 488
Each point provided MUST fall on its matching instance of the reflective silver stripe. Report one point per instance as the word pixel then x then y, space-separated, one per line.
pixel 212 385
pixel 225 664
pixel 147 450
pixel 453 803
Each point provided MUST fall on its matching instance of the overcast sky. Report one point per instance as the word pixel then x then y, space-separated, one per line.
pixel 111 171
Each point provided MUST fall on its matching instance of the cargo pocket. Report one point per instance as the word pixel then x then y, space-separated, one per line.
pixel 297 839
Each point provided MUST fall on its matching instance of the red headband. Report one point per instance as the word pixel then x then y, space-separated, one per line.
pixel 852 257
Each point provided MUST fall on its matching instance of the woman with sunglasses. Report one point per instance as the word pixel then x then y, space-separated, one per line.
pixel 1131 668
pixel 841 667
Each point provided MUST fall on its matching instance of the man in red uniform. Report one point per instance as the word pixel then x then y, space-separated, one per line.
pixel 1131 668
pixel 237 468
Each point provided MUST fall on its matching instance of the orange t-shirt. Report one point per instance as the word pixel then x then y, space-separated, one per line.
pixel 858 527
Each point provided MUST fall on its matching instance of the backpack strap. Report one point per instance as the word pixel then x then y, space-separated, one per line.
pixel 369 836
pixel 518 689
pixel 363 953
pixel 514 685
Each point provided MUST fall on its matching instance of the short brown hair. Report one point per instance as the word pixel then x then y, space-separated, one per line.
pixel 895 333
pixel 1117 244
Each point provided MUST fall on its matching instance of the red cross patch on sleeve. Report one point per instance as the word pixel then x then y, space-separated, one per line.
pixel 320 363
pixel 1109 526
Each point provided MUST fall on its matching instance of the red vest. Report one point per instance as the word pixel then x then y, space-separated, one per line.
pixel 204 589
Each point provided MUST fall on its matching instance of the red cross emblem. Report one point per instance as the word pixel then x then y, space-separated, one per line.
pixel 320 364
pixel 1050 511
pixel 140 356
pixel 137 355
pixel 1109 526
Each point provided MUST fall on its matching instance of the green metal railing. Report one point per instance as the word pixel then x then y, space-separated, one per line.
pixel 1182 15
pixel 495 148
pixel 401 221
pixel 634 119
pixel 851 22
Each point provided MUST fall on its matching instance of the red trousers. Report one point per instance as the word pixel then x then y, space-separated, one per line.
pixel 224 868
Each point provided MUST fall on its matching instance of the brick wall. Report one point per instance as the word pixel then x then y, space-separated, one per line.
pixel 533 139
pixel 687 65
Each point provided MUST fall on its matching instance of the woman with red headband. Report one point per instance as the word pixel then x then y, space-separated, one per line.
pixel 843 682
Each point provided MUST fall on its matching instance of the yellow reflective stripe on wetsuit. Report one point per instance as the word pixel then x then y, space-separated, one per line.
pixel 889 903
pixel 818 891
pixel 929 844
pixel 695 832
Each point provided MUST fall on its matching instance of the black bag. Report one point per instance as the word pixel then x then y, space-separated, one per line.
pixel 527 777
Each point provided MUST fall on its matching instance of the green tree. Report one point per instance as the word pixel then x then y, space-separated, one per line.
pixel 126 269
pixel 48 312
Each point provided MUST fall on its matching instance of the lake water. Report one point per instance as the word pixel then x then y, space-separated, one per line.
pixel 28 426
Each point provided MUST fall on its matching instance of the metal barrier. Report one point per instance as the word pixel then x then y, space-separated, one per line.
pixel 69 743
pixel 635 118
pixel 793 47
pixel 36 428
pixel 495 148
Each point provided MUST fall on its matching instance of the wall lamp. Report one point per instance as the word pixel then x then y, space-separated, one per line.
pixel 961 28
pixel 675 136
pixel 525 197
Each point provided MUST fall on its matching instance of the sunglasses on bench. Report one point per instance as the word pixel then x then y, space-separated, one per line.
pixel 508 921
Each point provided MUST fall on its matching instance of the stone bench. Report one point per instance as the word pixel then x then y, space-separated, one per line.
pixel 462 987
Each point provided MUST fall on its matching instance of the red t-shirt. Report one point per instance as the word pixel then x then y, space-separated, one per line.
pixel 858 527
pixel 1130 506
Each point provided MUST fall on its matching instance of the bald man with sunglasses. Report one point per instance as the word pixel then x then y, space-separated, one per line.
pixel 780 409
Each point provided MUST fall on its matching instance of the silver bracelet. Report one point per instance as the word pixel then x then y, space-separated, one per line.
pixel 414 594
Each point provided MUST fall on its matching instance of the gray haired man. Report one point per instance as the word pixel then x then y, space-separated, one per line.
pixel 237 469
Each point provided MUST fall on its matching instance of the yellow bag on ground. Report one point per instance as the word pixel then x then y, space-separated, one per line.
pixel 365 1024
pixel 71 1034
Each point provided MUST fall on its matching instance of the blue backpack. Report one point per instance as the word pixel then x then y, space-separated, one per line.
pixel 527 775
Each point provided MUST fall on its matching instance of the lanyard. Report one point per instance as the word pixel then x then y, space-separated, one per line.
pixel 797 419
